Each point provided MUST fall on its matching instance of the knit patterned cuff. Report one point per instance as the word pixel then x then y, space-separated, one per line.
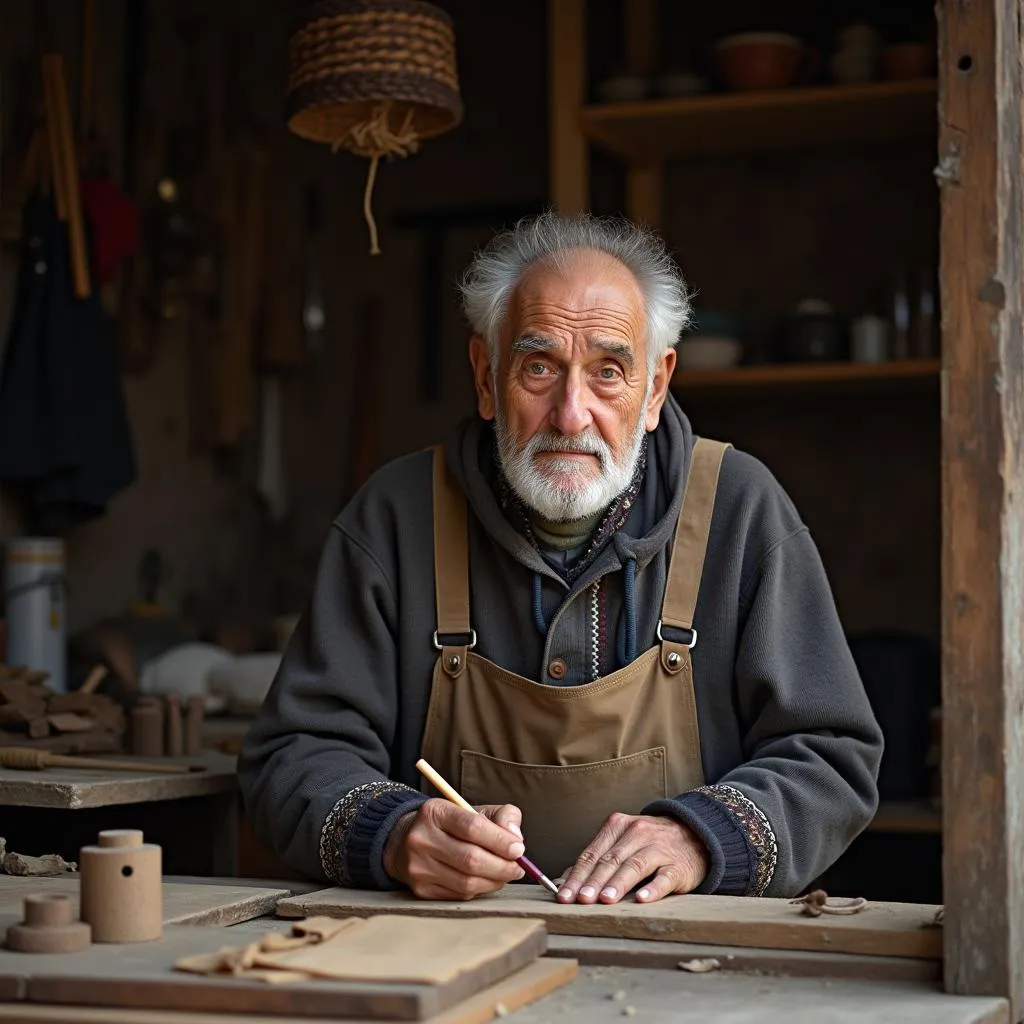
pixel 722 815
pixel 729 853
pixel 354 832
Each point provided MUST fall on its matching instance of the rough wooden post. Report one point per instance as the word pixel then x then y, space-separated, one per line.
pixel 644 182
pixel 979 170
pixel 567 65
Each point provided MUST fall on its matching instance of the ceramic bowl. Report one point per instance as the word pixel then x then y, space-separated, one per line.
pixel 760 60
pixel 708 352
pixel 621 90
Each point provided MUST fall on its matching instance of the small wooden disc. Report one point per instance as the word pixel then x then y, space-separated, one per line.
pixel 61 938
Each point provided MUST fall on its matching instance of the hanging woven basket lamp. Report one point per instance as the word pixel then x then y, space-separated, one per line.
pixel 375 77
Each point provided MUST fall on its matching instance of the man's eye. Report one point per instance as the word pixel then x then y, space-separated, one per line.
pixel 537 369
pixel 609 373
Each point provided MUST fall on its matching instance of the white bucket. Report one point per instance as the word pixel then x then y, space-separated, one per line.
pixel 34 586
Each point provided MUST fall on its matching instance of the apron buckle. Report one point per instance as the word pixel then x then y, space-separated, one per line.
pixel 687 637
pixel 467 640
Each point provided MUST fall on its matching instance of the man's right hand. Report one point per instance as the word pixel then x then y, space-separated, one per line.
pixel 443 852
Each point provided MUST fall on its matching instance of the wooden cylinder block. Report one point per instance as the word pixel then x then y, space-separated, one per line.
pixel 121 892
pixel 194 725
pixel 48 927
pixel 174 736
pixel 148 728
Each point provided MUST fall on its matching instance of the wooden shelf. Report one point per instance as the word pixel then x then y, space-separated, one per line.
pixel 649 131
pixel 920 817
pixel 808 377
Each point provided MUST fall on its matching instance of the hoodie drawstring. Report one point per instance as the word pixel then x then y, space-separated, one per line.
pixel 538 608
pixel 628 609
pixel 626 655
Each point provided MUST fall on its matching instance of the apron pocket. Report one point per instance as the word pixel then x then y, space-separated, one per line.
pixel 564 805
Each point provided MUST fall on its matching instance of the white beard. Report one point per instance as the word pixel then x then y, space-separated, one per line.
pixel 574 495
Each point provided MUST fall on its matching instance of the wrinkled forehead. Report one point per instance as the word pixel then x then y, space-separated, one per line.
pixel 584 293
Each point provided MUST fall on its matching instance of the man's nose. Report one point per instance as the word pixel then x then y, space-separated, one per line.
pixel 571 412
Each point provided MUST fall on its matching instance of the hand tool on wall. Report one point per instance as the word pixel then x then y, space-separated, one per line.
pixel 65 164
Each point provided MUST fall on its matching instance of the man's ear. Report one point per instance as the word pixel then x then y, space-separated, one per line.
pixel 659 389
pixel 483 377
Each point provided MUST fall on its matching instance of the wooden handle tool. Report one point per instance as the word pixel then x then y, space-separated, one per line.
pixel 59 119
pixel 444 788
pixel 27 759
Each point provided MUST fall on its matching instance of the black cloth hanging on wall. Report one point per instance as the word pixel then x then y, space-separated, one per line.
pixel 65 442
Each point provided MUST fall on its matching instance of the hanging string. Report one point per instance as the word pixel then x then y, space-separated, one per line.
pixel 373 138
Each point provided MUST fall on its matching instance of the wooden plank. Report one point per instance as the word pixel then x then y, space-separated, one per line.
pixel 184 903
pixel 883 929
pixel 979 169
pixel 793 963
pixel 73 788
pixel 811 374
pixel 648 131
pixel 141 976
pixel 569 171
pixel 520 989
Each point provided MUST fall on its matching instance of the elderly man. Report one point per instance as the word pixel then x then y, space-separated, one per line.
pixel 615 639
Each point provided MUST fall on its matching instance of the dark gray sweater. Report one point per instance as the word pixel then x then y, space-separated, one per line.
pixel 790 746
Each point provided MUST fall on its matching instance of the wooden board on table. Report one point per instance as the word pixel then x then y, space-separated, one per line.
pixel 75 788
pixel 141 976
pixel 184 903
pixel 787 963
pixel 517 990
pixel 881 929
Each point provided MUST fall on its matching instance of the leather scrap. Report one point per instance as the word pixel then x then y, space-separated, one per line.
pixel 240 961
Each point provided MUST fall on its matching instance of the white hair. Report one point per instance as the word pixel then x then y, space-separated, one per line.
pixel 548 239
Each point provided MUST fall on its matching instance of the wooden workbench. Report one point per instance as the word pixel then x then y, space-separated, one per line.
pixel 193 815
pixel 752 985
pixel 608 994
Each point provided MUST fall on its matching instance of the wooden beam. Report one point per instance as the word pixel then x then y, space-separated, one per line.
pixel 567 65
pixel 644 195
pixel 641 37
pixel 979 170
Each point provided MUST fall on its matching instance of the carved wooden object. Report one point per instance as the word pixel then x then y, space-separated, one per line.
pixel 148 728
pixel 48 927
pixel 174 741
pixel 194 725
pixel 121 893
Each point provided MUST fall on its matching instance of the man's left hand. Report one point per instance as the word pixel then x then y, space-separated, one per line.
pixel 629 849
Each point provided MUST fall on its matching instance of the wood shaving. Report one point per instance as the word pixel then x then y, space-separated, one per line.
pixel 700 966
pixel 47 866
pixel 618 996
pixel 818 902
pixel 629 1011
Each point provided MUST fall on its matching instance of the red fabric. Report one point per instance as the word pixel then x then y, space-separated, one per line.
pixel 114 220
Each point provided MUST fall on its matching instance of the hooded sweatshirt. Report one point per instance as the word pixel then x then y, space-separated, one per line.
pixel 789 743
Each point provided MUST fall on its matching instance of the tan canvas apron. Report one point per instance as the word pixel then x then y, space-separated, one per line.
pixel 567 756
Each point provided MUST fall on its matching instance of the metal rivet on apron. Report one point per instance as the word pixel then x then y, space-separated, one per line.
pixel 454 661
pixel 557 668
pixel 673 659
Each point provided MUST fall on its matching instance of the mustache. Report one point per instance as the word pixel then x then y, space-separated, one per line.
pixel 577 444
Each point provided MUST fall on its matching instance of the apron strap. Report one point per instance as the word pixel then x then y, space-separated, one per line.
pixel 454 637
pixel 675 630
